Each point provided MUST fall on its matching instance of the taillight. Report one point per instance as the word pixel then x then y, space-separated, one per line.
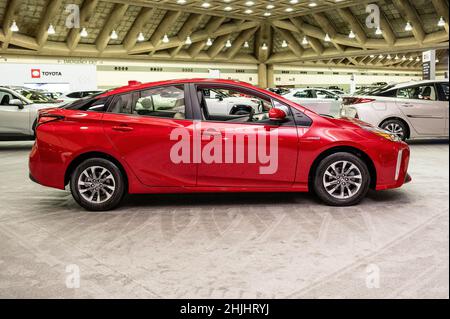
pixel 356 100
pixel 47 118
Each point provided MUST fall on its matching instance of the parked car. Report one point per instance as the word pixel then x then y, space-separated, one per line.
pixel 18 112
pixel 318 100
pixel 72 96
pixel 104 148
pixel 280 91
pixel 410 110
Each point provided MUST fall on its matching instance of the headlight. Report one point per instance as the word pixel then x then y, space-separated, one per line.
pixel 378 131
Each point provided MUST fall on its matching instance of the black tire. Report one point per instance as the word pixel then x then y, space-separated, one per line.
pixel 358 194
pixel 116 180
pixel 396 127
pixel 34 128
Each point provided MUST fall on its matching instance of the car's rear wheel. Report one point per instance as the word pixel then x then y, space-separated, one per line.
pixel 97 185
pixel 396 127
pixel 341 179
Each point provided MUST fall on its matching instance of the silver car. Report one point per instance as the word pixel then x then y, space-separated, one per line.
pixel 18 112
pixel 410 110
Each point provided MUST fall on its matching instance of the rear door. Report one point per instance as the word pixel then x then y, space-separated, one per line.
pixel 13 119
pixel 152 130
pixel 420 104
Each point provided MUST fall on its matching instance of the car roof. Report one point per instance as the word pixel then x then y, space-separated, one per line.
pixel 409 83
pixel 143 86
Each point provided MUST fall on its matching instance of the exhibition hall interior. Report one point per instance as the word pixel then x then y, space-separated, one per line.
pixel 224 149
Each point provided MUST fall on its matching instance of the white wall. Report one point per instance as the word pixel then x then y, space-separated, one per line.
pixel 309 76
pixel 113 73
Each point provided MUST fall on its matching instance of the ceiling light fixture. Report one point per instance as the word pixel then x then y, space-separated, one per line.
pixel 284 44
pixel 378 31
pixel 14 27
pixel 209 42
pixel 51 29
pixel 141 37
pixel 83 33
pixel 327 38
pixel 441 22
pixel 408 27
pixel 265 47
pixel 246 44
pixel 228 44
pixel 305 41
pixel 165 39
pixel 188 40
pixel 114 35
pixel 351 35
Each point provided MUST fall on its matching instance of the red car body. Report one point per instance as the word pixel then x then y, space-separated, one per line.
pixel 141 146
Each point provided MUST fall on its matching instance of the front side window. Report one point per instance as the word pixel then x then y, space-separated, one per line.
pixel 122 104
pixel 418 92
pixel 234 106
pixel 35 96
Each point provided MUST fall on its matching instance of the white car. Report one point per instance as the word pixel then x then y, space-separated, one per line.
pixel 320 101
pixel 73 96
pixel 410 110
pixel 221 102
pixel 18 112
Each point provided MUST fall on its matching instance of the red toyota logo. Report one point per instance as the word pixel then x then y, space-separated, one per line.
pixel 35 73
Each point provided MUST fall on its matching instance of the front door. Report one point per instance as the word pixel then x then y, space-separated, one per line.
pixel 245 150
pixel 13 119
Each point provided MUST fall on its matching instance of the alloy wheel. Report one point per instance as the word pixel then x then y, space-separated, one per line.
pixel 342 180
pixel 96 184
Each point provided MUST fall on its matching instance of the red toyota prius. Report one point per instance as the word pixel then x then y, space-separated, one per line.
pixel 205 135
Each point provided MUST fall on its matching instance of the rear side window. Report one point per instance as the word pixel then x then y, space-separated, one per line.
pixel 391 93
pixel 122 104
pixel 74 95
pixel 94 105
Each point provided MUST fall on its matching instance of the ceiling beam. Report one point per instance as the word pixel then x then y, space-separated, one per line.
pixel 86 12
pixel 292 42
pixel 407 10
pixel 315 43
pixel 328 28
pixel 12 9
pixel 211 27
pixel 347 15
pixel 240 41
pixel 441 7
pixel 164 26
pixel 218 46
pixel 114 19
pixel 186 30
pixel 142 19
pixel 52 8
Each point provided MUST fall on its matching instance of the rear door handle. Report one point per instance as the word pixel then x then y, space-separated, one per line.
pixel 122 128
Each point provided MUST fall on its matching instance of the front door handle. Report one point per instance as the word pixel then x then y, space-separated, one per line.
pixel 122 128
pixel 407 105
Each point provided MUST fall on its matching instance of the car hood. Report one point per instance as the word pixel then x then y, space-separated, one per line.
pixel 348 123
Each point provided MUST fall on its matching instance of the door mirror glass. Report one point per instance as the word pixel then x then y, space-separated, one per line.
pixel 277 115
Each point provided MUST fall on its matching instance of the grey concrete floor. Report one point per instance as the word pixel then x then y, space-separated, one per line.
pixel 395 244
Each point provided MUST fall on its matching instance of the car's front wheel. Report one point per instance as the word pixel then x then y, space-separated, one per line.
pixel 341 179
pixel 97 185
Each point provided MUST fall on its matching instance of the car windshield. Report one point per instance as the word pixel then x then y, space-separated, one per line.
pixel 35 96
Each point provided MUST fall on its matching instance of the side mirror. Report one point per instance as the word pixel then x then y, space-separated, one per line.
pixel 277 115
pixel 219 97
pixel 17 103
